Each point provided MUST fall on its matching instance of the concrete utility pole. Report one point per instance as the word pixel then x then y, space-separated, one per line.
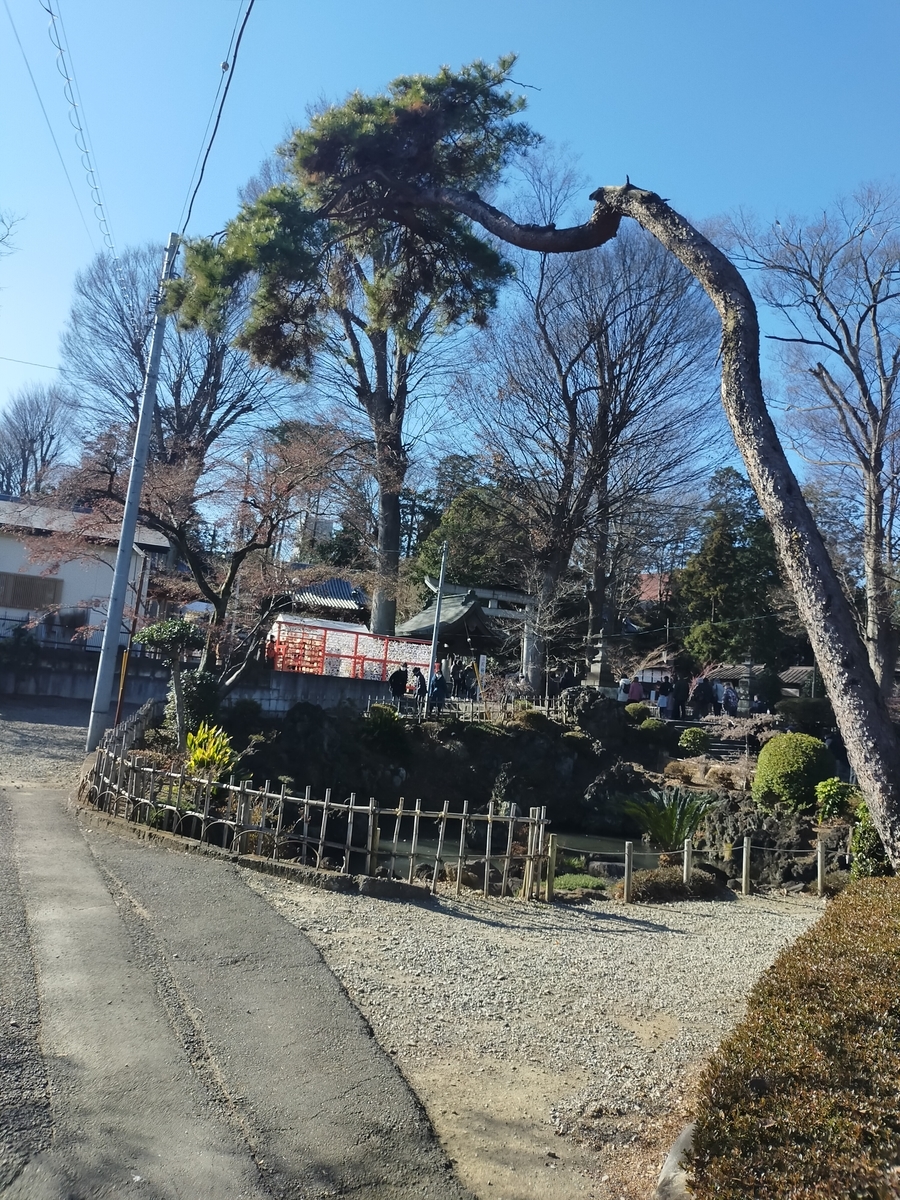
pixel 437 624
pixel 106 668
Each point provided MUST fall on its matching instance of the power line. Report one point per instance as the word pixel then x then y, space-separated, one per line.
pixel 72 94
pixel 230 76
pixel 26 363
pixel 226 66
pixel 49 126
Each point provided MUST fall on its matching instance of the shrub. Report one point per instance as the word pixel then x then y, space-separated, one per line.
pixel 801 1099
pixel 578 741
pixel 694 741
pixel 384 729
pixel 867 853
pixel 682 771
pixel 836 798
pixel 721 776
pixel 808 715
pixel 789 767
pixel 244 715
pixel 654 727
pixel 533 719
pixel 200 690
pixel 667 883
pixel 670 816
pixel 637 712
pixel 210 754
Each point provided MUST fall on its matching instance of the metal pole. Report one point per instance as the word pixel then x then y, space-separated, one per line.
pixel 745 869
pixel 437 624
pixel 629 866
pixel 109 650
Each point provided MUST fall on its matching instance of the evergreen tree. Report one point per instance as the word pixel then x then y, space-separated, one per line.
pixel 723 592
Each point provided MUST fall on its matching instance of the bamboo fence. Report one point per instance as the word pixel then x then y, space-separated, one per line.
pixel 497 852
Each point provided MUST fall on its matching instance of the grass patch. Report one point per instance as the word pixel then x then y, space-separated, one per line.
pixel 801 1100
pixel 571 882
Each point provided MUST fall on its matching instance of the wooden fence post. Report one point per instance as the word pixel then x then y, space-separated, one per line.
pixel 629 863
pixel 413 849
pixel 461 858
pixel 551 866
pixel 507 859
pixel 487 849
pixel 398 817
pixel 371 839
pixel 745 869
pixel 351 805
pixel 321 852
pixel 688 849
pixel 279 821
pixel 440 848
pixel 820 867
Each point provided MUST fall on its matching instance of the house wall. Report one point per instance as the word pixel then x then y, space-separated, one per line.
pixel 85 585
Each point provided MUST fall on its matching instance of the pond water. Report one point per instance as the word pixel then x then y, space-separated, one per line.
pixel 610 848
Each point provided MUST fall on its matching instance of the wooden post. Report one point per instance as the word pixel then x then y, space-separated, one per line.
pixel 688 849
pixel 321 853
pixel 820 865
pixel 372 840
pixel 239 815
pixel 279 822
pixel 541 849
pixel 551 867
pixel 745 869
pixel 351 805
pixel 629 864
pixel 507 858
pixel 440 848
pixel 461 858
pixel 307 795
pixel 487 849
pixel 398 817
pixel 262 817
pixel 415 841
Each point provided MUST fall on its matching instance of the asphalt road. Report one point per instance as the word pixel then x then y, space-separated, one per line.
pixel 165 1033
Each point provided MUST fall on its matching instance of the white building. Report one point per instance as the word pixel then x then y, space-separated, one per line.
pixel 56 596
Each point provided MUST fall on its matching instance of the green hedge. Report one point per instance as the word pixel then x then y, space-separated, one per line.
pixel 801 1100
pixel 790 765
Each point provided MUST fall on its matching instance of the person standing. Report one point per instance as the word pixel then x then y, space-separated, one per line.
pixel 421 688
pixel 438 692
pixel 635 691
pixel 680 691
pixel 730 700
pixel 397 682
pixel 718 691
pixel 664 698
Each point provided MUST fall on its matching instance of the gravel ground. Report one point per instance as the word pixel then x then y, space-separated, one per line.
pixel 42 741
pixel 517 1022
pixel 553 1048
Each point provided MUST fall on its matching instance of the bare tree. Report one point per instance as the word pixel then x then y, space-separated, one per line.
pixel 835 282
pixel 208 390
pixel 598 398
pixel 34 430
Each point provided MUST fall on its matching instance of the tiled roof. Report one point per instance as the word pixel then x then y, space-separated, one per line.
pixel 336 594
pixel 17 514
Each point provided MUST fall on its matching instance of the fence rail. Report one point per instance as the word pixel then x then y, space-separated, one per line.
pixel 494 851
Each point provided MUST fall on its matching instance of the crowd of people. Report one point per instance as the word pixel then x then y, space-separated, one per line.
pixel 684 697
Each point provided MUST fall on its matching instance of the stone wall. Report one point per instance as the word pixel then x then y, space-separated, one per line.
pixel 70 675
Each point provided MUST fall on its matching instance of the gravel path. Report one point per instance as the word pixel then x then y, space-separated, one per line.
pixel 552 1047
pixel 517 1022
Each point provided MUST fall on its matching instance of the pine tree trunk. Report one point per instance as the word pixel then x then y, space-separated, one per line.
pixel 384 596
pixel 859 705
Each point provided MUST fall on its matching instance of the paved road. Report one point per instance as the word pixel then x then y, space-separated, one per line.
pixel 165 1030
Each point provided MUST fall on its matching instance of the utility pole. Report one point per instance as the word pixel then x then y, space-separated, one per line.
pixel 437 625
pixel 107 665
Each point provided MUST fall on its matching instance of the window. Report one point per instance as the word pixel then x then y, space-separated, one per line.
pixel 31 592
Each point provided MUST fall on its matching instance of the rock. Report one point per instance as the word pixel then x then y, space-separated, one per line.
pixel 717 873
pixel 672 1182
pixel 605 870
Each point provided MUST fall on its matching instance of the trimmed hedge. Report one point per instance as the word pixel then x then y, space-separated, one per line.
pixel 789 767
pixel 801 1100
pixel 664 884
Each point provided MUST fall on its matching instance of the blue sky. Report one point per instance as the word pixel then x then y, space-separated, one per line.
pixel 715 104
